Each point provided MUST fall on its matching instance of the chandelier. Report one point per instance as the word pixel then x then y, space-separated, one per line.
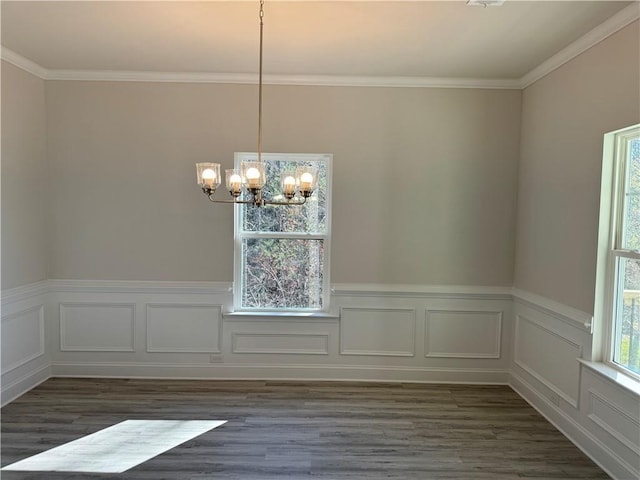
pixel 246 183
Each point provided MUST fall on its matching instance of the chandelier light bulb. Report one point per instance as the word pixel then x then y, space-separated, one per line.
pixel 235 184
pixel 289 186
pixel 306 179
pixel 253 177
pixel 253 173
pixel 209 178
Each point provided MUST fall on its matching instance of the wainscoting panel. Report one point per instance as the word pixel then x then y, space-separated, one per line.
pixel 276 343
pixel 378 332
pixel 22 337
pixel 97 327
pixel 463 334
pixel 557 368
pixel 622 425
pixel 25 359
pixel 613 413
pixel 184 328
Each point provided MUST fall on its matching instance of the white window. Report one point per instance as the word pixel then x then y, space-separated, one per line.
pixel 620 262
pixel 282 252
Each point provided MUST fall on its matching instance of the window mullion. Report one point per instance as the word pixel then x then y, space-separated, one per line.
pixel 293 235
pixel 622 253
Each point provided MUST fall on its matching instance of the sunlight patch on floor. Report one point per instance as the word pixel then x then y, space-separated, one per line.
pixel 118 448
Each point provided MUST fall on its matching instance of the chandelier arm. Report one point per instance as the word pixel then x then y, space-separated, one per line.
pixel 272 202
pixel 211 199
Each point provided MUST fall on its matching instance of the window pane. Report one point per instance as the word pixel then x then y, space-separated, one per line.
pixel 631 225
pixel 282 273
pixel 627 325
pixel 307 218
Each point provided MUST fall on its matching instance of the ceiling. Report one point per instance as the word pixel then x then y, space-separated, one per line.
pixel 414 39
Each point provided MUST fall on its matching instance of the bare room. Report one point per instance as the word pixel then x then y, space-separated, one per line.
pixel 346 239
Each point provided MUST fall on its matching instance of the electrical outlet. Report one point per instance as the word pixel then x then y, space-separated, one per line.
pixel 215 358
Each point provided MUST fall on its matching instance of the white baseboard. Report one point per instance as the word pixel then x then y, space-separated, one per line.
pixel 281 372
pixel 25 383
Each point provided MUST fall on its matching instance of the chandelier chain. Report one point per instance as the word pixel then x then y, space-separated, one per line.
pixel 260 85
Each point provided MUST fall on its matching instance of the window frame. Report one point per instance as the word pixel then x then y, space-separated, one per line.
pixel 240 235
pixel 610 278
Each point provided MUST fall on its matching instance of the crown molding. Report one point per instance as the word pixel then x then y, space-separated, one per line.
pixel 391 81
pixel 607 28
pixel 23 62
pixel 307 80
pixel 618 21
pixel 252 78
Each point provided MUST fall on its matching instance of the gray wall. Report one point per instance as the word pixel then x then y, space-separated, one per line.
pixel 424 179
pixel 24 178
pixel 564 118
pixel 437 205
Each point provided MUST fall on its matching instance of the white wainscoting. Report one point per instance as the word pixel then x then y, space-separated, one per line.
pixel 276 343
pixel 613 416
pixel 463 334
pixel 97 327
pixel 180 328
pixel 378 331
pixel 27 326
pixel 598 414
pixel 623 425
pixel 25 357
pixel 558 368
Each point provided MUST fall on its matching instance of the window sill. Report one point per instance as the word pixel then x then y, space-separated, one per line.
pixel 619 378
pixel 240 315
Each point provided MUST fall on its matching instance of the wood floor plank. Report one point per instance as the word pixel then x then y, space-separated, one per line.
pixel 302 430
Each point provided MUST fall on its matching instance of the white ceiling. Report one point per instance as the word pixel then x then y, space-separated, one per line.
pixel 417 39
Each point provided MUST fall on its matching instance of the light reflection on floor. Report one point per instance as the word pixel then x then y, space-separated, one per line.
pixel 118 448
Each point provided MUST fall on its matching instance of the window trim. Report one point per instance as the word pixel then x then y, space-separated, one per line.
pixel 238 236
pixel 612 198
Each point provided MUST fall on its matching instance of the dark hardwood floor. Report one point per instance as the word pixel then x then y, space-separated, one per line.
pixel 294 430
